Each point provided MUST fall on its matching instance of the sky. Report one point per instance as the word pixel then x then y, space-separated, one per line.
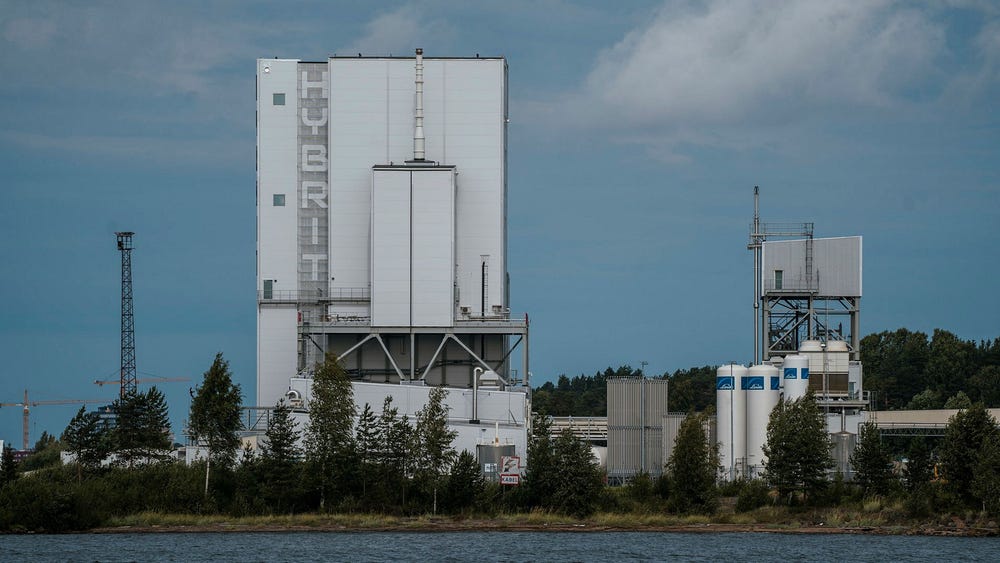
pixel 638 131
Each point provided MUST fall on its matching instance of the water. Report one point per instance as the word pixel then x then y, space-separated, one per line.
pixel 245 547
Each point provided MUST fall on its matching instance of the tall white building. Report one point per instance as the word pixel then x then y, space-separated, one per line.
pixel 382 230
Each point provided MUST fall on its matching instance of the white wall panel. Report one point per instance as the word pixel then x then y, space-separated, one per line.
pixel 277 161
pixel 277 338
pixel 433 228
pixel 371 123
pixel 837 265
pixel 391 248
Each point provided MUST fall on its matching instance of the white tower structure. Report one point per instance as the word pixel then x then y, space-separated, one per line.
pixel 382 227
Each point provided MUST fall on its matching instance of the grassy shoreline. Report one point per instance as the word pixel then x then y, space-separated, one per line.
pixel 767 520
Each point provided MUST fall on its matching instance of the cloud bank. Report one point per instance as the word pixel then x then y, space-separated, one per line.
pixel 707 73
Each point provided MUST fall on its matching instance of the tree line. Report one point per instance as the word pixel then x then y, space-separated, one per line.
pixel 378 461
pixel 903 369
pixel 375 461
pixel 586 395
pixel 908 370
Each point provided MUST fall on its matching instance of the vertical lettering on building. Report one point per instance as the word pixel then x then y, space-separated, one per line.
pixel 313 180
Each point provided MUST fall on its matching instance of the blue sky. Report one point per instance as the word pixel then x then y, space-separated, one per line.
pixel 638 130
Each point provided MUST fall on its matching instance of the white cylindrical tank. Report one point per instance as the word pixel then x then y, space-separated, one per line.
pixel 795 376
pixel 730 422
pixel 762 385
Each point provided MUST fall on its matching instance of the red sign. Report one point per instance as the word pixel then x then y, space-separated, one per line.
pixel 510 479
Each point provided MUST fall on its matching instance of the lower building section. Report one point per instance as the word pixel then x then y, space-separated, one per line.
pixel 501 417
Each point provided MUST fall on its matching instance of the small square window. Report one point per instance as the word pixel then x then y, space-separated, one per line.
pixel 278 99
pixel 279 200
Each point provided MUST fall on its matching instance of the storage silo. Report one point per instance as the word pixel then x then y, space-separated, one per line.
pixel 730 409
pixel 761 396
pixel 796 376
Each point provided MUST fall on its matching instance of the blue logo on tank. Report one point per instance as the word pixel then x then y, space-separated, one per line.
pixel 724 383
pixel 775 383
pixel 790 373
pixel 805 373
pixel 753 383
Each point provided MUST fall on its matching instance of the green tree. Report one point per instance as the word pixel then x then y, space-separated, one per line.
pixel 87 438
pixel 279 459
pixel 142 427
pixel 393 456
pixel 950 363
pixel 465 484
pixel 985 385
pixel 968 434
pixel 692 389
pixel 8 467
pixel 895 362
pixel 986 483
pixel 692 468
pixel 542 474
pixel 433 451
pixel 46 453
pixel 367 439
pixel 924 400
pixel 329 437
pixel 871 461
pixel 580 481
pixel 958 401
pixel 214 421
pixel 919 470
pixel 798 447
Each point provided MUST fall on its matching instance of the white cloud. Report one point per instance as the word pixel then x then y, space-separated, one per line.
pixel 710 73
pixel 398 32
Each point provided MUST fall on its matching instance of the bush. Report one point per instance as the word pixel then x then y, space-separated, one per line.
pixel 752 495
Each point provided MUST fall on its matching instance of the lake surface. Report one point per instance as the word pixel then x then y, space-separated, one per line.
pixel 492 546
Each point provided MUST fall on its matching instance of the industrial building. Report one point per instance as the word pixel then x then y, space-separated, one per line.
pixel 382 236
pixel 807 307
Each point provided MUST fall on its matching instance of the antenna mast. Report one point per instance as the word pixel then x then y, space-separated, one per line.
pixel 128 378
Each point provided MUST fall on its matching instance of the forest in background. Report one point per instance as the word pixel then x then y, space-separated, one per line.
pixel 903 369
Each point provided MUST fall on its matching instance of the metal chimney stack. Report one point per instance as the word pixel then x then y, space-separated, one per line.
pixel 418 129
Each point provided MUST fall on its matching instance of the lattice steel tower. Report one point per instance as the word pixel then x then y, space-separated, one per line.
pixel 128 378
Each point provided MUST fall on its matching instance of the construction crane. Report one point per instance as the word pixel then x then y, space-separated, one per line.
pixel 26 405
pixel 103 382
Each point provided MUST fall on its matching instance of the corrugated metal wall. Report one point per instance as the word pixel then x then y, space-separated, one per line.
pixel 636 410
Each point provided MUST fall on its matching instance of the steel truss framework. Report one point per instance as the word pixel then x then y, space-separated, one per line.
pixel 128 377
pixel 312 345
pixel 790 318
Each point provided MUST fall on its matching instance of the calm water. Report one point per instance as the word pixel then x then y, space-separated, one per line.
pixel 492 546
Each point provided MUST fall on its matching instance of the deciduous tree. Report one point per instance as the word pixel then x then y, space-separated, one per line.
pixel 579 481
pixel 214 420
pixel 871 461
pixel 968 434
pixel 798 447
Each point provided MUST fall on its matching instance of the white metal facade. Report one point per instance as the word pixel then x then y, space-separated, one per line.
pixel 395 264
pixel 836 266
